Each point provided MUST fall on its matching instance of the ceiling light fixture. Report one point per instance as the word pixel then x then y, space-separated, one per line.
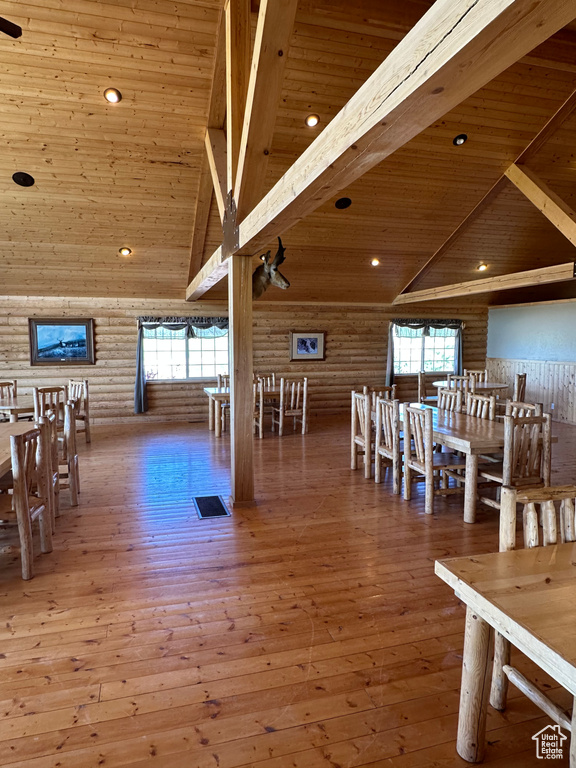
pixel 112 95
pixel 23 179
pixel 482 267
pixel 312 120
pixel 462 138
pixel 343 202
pixel 125 251
pixel 375 262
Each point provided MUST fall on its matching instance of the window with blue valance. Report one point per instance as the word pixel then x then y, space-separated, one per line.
pixel 174 346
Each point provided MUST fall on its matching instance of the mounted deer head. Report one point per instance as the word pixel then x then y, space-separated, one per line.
pixel 267 273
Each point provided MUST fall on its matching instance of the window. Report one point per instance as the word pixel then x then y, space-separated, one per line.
pixel 424 349
pixel 173 355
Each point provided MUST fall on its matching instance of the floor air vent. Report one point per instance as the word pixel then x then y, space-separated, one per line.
pixel 210 506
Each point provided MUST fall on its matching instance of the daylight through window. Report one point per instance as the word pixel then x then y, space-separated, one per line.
pixel 424 349
pixel 172 355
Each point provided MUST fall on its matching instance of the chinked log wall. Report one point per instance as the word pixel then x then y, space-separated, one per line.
pixel 356 345
pixel 547 381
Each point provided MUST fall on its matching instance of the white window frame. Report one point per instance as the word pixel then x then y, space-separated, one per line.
pixel 187 365
pixel 423 338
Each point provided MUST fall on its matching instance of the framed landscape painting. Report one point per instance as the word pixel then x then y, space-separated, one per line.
pixel 307 345
pixel 66 341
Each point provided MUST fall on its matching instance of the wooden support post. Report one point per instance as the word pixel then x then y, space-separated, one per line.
pixel 242 397
pixel 474 689
pixel 237 74
pixel 273 33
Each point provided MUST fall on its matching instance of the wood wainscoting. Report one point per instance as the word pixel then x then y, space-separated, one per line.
pixel 547 381
pixel 356 350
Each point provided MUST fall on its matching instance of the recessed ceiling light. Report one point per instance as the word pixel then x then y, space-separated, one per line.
pixel 263 257
pixel 375 262
pixel 125 251
pixel 343 202
pixel 23 179
pixel 462 138
pixel 112 95
pixel 482 267
pixel 312 120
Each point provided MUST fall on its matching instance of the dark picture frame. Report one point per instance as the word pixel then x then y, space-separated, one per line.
pixel 307 345
pixel 61 341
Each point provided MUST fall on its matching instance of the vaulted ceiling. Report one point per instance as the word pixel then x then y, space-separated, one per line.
pixel 109 175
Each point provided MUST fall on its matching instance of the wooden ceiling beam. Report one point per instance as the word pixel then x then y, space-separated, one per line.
pixel 237 72
pixel 557 119
pixel 553 207
pixel 453 50
pixel 273 33
pixel 556 274
pixel 201 217
pixel 492 193
pixel 216 117
pixel 215 144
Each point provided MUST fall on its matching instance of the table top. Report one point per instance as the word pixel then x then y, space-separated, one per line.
pixel 25 403
pixel 529 595
pixel 461 432
pixel 18 428
pixel 482 386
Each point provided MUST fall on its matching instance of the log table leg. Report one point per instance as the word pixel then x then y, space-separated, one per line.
pixel 476 669
pixel 211 404
pixel 217 418
pixel 470 488
pixel 13 416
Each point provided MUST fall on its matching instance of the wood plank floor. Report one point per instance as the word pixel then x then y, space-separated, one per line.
pixel 306 632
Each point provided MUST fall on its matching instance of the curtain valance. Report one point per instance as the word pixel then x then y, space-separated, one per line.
pixel 196 327
pixel 416 328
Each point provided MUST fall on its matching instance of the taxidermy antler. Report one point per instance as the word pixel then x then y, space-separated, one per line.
pixel 267 273
pixel 9 28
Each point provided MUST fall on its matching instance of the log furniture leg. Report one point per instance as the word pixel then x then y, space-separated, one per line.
pixel 476 669
pixel 211 406
pixel 470 488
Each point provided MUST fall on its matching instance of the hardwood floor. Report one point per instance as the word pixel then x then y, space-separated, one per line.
pixel 308 631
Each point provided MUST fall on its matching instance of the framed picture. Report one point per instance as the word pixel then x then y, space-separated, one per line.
pixel 65 341
pixel 307 345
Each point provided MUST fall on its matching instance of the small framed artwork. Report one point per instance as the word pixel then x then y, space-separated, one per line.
pixel 307 345
pixel 65 341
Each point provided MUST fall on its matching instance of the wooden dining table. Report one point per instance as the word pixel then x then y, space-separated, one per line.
pixel 16 406
pixel 7 429
pixel 470 435
pixel 219 395
pixel 528 596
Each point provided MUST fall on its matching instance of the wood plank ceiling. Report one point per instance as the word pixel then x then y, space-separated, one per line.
pixel 129 174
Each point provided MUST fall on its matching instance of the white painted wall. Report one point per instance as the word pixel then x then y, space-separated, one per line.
pixel 536 332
